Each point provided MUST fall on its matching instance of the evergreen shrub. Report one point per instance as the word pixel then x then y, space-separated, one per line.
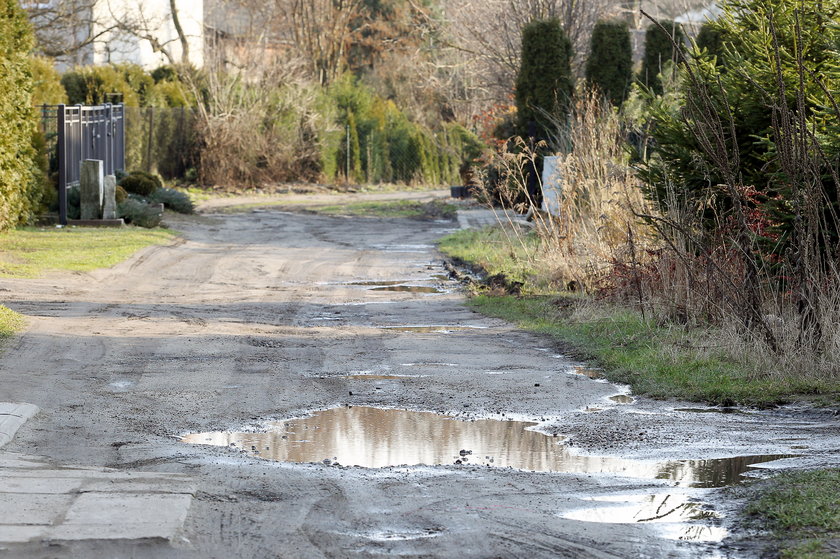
pixel 21 180
pixel 610 63
pixel 545 82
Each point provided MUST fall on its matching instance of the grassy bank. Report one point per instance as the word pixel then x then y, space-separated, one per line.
pixel 802 511
pixel 411 209
pixel 657 360
pixel 31 252
pixel 10 323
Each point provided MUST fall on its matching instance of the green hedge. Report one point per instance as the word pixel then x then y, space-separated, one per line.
pixel 20 177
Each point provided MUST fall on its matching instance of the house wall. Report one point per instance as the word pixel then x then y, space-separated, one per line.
pixel 141 21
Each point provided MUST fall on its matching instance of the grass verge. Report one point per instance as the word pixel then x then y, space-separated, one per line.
pixel 411 209
pixel 10 323
pixel 30 252
pixel 802 511
pixel 657 361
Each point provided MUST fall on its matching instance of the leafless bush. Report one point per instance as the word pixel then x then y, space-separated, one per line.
pixel 593 225
pixel 258 125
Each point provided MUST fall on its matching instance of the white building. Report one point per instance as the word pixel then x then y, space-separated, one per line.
pixel 81 32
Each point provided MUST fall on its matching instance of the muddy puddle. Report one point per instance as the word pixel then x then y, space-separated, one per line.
pixel 377 437
pixel 676 516
pixel 408 289
pixel 433 329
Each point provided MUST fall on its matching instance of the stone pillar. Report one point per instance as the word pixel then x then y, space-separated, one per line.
pixel 109 202
pixel 91 186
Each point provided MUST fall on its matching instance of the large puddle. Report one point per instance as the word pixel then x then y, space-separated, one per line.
pixel 377 437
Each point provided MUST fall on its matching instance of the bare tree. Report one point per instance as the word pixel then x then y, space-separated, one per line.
pixel 489 32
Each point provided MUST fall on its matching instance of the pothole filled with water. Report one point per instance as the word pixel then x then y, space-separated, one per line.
pixel 432 329
pixel 377 437
pixel 408 289
pixel 677 516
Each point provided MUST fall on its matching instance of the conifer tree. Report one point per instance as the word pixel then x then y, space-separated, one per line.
pixel 610 63
pixel 545 83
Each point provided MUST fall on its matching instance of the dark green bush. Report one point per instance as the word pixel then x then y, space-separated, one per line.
pixel 141 183
pixel 20 177
pixel 139 213
pixel 610 63
pixel 121 194
pixel 545 82
pixel 173 199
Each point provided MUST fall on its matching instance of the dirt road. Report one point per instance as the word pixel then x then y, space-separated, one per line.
pixel 271 315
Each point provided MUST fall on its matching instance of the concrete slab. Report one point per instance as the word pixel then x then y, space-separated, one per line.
pixel 481 217
pixel 12 416
pixel 38 485
pixel 11 534
pixel 23 509
pixel 43 501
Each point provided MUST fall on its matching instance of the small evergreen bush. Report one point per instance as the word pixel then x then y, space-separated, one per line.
pixel 173 199
pixel 139 213
pixel 141 183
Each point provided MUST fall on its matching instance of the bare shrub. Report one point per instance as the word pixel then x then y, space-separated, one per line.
pixel 593 226
pixel 262 130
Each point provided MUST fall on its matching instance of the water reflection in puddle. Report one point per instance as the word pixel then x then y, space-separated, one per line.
pixel 589 373
pixel 710 410
pixel 435 329
pixel 376 437
pixel 377 377
pixel 678 516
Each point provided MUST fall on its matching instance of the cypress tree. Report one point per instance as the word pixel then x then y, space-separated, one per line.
pixel 610 63
pixel 545 81
pixel 659 49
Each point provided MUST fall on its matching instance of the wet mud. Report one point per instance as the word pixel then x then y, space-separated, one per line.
pixel 272 316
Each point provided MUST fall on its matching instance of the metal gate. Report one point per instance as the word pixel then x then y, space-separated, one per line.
pixel 84 132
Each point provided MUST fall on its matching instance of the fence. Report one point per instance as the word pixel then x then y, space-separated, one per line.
pixel 78 132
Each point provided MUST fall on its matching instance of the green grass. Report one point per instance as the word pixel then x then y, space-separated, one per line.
pixel 412 209
pixel 655 360
pixel 10 322
pixel 803 510
pixel 492 251
pixel 31 252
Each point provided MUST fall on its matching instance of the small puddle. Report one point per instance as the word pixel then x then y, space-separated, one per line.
pixel 678 516
pixel 377 377
pixel 377 438
pixel 589 373
pixel 375 283
pixel 711 410
pixel 408 289
pixel 622 399
pixel 435 329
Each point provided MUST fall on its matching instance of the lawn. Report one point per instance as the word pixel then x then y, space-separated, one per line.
pixel 31 252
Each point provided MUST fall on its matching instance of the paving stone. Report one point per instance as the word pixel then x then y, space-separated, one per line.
pixel 20 508
pixel 12 416
pixel 42 485
pixel 21 534
pixel 124 516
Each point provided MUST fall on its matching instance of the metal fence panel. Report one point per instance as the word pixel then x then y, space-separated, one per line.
pixel 78 132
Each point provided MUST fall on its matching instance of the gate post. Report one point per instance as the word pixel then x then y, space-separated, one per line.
pixel 61 157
